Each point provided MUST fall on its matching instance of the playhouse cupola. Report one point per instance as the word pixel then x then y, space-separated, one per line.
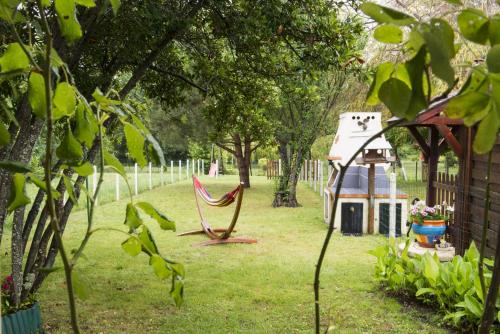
pixel 354 129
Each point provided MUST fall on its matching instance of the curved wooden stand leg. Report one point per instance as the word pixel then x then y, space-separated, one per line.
pixel 193 232
pixel 226 241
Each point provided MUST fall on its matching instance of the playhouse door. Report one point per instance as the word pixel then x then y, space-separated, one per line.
pixel 352 218
pixel 383 218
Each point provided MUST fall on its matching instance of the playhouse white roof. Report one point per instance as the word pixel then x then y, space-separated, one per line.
pixel 353 131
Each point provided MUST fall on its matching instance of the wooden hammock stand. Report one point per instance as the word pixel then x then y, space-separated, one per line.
pixel 218 235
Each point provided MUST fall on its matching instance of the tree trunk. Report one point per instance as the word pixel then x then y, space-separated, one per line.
pixel 242 155
pixel 286 195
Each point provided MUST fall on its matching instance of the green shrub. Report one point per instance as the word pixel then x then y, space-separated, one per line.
pixel 453 287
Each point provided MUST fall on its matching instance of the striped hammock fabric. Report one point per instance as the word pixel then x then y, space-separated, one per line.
pixel 203 193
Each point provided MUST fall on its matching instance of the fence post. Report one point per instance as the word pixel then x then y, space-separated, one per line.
pixel 94 183
pixel 217 168
pixel 136 186
pixel 187 169
pixel 198 163
pixel 279 167
pixel 202 167
pixel 392 206
pixel 171 171
pixel 192 165
pixel 416 170
pixel 180 170
pixel 117 185
pixel 321 178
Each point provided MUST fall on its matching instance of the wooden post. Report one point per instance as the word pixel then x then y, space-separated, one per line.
pixel 150 176
pixel 392 206
pixel 371 199
pixel 136 185
pixel 279 167
pixel 432 166
pixel 171 171
pixel 117 186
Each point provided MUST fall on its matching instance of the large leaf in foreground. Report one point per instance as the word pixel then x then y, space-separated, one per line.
pixel 164 221
pixel 18 196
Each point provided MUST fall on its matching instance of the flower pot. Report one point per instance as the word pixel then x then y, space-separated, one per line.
pixel 27 321
pixel 428 232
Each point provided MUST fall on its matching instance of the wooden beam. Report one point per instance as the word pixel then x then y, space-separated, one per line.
pixel 450 139
pixel 371 199
pixel 420 140
pixel 433 164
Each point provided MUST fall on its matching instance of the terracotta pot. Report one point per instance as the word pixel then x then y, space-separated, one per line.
pixel 428 232
pixel 27 321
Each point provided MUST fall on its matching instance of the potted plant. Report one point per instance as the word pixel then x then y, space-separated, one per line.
pixel 24 318
pixel 429 224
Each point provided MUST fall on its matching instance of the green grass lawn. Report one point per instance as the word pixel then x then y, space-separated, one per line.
pixel 260 288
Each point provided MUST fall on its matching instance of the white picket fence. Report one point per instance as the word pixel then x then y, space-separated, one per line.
pixel 314 173
pixel 115 188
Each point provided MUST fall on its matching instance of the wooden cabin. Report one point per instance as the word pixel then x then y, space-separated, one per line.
pixel 466 190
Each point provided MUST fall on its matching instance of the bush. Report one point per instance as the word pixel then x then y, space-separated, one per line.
pixel 454 287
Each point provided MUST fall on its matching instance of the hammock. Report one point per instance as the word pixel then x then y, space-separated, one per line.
pixel 225 234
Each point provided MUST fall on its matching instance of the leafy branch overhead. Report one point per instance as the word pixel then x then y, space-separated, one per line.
pixel 81 124
pixel 429 49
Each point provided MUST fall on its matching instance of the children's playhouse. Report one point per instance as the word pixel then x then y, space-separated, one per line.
pixel 364 201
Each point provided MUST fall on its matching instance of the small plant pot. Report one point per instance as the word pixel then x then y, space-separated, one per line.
pixel 27 321
pixel 428 232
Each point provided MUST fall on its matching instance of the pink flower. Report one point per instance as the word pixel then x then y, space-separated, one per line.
pixel 5 287
pixel 424 213
pixel 9 279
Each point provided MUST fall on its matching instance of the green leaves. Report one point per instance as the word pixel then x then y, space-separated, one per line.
pixel 86 127
pixel 66 16
pixel 64 100
pixel 86 3
pixel 494 30
pixel 69 149
pixel 177 291
pixel 486 133
pixel 132 218
pixel 132 246
pixel 7 9
pixel 148 243
pixel 113 162
pixel 466 104
pixel 83 168
pixel 4 135
pixel 439 38
pixel 15 166
pixel 388 33
pixel 383 14
pixel 159 266
pixel 396 95
pixel 36 94
pixel 135 143
pixel 115 4
pixel 473 25
pixel 13 59
pixel 164 221
pixel 493 59
pixel 18 196
pixel 79 286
